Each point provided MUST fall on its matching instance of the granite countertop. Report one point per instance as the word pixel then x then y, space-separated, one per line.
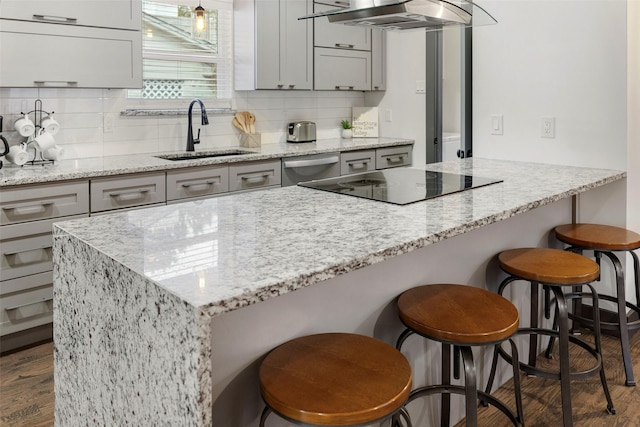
pixel 232 251
pixel 118 165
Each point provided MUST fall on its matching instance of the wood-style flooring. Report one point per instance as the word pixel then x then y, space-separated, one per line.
pixel 26 392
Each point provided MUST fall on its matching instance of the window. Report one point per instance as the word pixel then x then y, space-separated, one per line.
pixel 179 60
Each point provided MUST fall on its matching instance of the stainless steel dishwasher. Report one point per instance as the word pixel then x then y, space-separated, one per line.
pixel 308 168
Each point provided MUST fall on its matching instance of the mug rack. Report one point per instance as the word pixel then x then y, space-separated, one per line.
pixel 38 158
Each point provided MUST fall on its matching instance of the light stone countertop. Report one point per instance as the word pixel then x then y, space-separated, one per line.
pixel 228 252
pixel 11 175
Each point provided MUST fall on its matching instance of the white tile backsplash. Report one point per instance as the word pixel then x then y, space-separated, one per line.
pixel 82 114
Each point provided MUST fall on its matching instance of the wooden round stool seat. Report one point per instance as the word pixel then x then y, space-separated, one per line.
pixel 335 379
pixel 596 236
pixel 458 314
pixel 552 266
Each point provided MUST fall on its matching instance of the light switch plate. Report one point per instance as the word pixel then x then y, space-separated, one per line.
pixel 496 124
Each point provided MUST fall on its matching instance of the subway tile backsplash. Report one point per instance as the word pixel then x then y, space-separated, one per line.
pixel 91 124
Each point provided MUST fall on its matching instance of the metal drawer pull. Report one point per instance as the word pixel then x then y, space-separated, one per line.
pixel 29 210
pixel 15 307
pixel 345 46
pixel 358 165
pixel 313 162
pixel 131 195
pixel 280 86
pixel 51 18
pixel 44 82
pixel 344 87
pixel 255 179
pixel 200 184
pixel 292 86
pixel 395 159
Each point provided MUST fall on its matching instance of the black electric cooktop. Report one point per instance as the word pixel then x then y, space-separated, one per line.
pixel 399 186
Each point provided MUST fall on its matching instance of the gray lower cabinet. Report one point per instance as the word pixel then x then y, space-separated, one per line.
pixel 357 161
pixel 197 183
pixel 391 157
pixel 27 215
pixel 254 175
pixel 126 191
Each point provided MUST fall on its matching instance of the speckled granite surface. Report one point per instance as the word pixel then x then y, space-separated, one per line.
pixel 117 165
pixel 152 279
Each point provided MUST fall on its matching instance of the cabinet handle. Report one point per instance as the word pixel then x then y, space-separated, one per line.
pixel 344 87
pixel 395 159
pixel 15 307
pixel 29 210
pixel 58 19
pixel 131 195
pixel 292 86
pixel 345 46
pixel 342 3
pixel 54 82
pixel 200 184
pixel 357 165
pixel 280 86
pixel 256 178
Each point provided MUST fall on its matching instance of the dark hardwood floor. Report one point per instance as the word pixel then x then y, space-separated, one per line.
pixel 26 392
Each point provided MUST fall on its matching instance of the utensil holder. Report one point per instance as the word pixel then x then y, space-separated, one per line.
pixel 250 140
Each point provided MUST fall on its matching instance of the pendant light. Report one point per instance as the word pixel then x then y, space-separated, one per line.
pixel 200 20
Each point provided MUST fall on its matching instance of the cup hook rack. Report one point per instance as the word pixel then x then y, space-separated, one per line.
pixel 37 111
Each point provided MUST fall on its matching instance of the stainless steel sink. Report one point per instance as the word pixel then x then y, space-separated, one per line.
pixel 203 154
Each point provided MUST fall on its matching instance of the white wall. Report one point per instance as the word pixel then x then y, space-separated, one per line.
pixel 84 116
pixel 633 115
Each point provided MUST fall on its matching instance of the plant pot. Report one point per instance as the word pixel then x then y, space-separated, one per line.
pixel 347 133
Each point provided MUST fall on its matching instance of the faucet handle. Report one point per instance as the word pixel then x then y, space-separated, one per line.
pixel 197 138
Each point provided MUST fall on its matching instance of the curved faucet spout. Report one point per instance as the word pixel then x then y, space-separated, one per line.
pixel 204 121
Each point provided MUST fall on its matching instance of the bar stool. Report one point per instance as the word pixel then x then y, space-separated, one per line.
pixel 553 269
pixel 335 379
pixel 604 240
pixel 462 316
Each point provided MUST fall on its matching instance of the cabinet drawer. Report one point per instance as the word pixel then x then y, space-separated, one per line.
pixel 22 204
pixel 199 182
pixel 342 69
pixel 123 14
pixel 393 156
pixel 129 191
pixel 69 56
pixel 331 35
pixel 357 161
pixel 254 175
pixel 25 310
pixel 26 248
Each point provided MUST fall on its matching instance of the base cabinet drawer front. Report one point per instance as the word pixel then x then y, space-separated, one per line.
pixel 25 310
pixel 392 157
pixel 254 175
pixel 22 284
pixel 200 182
pixel 26 248
pixel 127 191
pixel 22 204
pixel 357 161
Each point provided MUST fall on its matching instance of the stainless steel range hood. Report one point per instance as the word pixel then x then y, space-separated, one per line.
pixel 409 14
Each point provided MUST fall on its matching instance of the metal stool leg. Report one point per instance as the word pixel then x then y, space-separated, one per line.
pixel 265 413
pixel 516 381
pixel 533 322
pixel 445 402
pixel 471 392
pixel 563 344
pixel 636 269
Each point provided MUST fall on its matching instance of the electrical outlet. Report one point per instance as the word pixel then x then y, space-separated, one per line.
pixel 388 116
pixel 548 129
pixel 421 86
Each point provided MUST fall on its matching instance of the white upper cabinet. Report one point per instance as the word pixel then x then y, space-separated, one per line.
pixel 273 49
pixel 337 35
pixel 122 14
pixel 64 43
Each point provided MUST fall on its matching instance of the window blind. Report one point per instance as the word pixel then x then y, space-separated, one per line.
pixel 179 61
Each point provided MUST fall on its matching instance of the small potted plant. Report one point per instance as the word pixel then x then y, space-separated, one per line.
pixel 346 129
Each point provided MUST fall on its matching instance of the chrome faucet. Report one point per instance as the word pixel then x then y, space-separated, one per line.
pixel 205 121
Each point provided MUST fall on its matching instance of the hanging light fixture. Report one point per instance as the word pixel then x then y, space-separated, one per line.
pixel 200 20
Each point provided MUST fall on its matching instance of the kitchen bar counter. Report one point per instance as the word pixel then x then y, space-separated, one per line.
pixel 136 294
pixel 118 165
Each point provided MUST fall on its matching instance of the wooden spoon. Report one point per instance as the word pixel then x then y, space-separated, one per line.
pixel 237 124
pixel 240 118
pixel 251 119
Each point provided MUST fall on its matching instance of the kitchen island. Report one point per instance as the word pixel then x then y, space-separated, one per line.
pixel 162 315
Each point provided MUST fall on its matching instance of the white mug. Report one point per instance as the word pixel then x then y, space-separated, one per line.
pixel 24 126
pixel 50 125
pixel 18 154
pixel 44 141
pixel 54 153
